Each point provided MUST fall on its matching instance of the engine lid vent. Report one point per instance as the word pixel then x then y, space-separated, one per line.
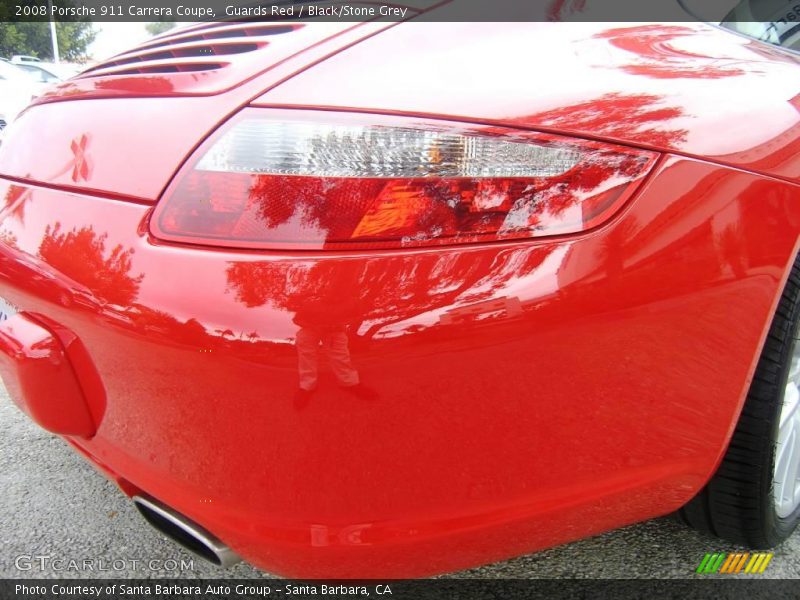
pixel 196 60
pixel 192 49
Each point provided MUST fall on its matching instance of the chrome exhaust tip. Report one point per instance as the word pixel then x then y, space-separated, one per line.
pixel 185 532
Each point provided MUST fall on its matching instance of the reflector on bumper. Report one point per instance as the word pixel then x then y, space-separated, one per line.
pixel 40 379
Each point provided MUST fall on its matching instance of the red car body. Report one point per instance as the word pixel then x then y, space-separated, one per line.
pixel 526 392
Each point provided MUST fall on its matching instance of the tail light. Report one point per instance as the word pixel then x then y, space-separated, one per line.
pixel 284 179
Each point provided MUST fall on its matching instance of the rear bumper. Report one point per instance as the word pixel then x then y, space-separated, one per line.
pixel 524 394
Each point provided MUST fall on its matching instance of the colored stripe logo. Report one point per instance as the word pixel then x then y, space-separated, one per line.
pixel 737 562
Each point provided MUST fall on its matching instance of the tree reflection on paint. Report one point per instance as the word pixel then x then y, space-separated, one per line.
pixel 656 57
pixel 81 255
pixel 368 295
pixel 620 116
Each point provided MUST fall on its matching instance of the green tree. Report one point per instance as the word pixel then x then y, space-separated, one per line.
pixel 33 38
pixel 10 39
pixel 159 27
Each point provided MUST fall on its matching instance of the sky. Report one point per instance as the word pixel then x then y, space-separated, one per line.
pixel 113 38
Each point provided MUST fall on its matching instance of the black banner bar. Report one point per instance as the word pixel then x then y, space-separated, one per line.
pixel 391 10
pixel 432 589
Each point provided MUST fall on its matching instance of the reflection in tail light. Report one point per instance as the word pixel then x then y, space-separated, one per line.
pixel 321 180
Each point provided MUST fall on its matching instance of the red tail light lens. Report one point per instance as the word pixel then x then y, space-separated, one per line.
pixel 313 180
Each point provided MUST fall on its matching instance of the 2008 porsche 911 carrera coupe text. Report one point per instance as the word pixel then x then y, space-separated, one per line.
pixel 392 299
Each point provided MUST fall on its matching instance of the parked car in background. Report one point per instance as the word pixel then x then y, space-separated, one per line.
pixel 47 72
pixel 384 300
pixel 22 58
pixel 16 92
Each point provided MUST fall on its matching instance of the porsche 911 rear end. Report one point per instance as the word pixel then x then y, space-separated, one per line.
pixel 345 319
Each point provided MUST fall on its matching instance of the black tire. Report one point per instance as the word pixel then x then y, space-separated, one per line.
pixel 737 503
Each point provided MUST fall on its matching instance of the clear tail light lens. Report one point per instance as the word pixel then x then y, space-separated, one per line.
pixel 279 179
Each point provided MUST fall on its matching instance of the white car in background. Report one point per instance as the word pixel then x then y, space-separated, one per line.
pixel 16 91
pixel 44 73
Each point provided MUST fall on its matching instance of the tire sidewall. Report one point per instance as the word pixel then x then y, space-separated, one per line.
pixel 779 528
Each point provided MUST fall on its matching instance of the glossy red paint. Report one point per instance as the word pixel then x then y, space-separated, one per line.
pixel 523 393
pixel 513 380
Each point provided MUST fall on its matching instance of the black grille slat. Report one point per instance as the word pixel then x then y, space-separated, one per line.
pixel 210 34
pixel 188 52
pixel 177 50
pixel 170 68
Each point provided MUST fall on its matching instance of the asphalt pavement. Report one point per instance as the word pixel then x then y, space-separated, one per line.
pixel 56 508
